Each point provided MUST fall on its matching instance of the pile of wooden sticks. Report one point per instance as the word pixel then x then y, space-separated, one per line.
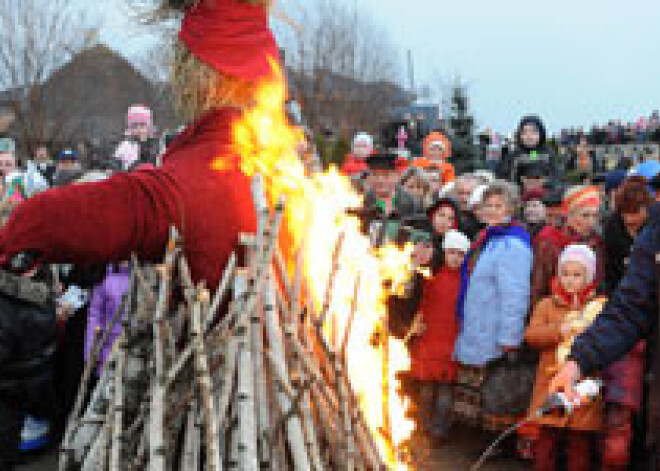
pixel 237 379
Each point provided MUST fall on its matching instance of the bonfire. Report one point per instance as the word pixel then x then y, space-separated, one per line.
pixel 288 364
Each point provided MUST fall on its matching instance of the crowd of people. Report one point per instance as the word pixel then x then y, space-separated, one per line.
pixel 514 264
pixel 521 264
pixel 85 298
pixel 524 284
pixel 643 131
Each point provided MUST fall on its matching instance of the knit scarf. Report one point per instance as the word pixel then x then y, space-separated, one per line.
pixel 512 229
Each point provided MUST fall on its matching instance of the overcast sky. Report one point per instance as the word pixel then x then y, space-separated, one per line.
pixel 571 61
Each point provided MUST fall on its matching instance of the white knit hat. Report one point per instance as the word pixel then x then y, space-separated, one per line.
pixel 363 138
pixel 456 240
pixel 484 176
pixel 583 255
pixel 447 189
pixel 477 196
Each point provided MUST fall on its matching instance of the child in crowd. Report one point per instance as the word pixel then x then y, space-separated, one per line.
pixel 432 338
pixel 414 188
pixel 534 211
pixel 437 152
pixel 105 300
pixel 556 321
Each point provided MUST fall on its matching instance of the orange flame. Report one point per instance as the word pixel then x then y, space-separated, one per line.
pixel 315 218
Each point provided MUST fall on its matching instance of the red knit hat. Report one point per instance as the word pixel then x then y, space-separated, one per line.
pixel 231 36
pixel 582 196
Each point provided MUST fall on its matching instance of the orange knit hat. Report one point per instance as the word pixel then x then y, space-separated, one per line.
pixel 438 139
pixel 582 196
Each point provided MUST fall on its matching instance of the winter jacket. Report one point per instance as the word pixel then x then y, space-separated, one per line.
pixel 538 158
pixel 617 242
pixel 629 316
pixel 535 228
pixel 496 301
pixel 623 378
pixel 548 245
pixel 471 225
pixel 28 336
pixel 106 299
pixel 432 352
pixel 544 334
pixel 373 216
pixel 200 171
pixel 406 205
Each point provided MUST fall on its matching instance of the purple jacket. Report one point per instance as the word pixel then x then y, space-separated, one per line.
pixel 104 302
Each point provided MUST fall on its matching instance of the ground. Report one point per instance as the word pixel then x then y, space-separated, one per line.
pixel 44 463
pixel 457 454
pixel 463 449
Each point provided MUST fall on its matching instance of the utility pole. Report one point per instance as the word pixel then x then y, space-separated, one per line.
pixel 411 72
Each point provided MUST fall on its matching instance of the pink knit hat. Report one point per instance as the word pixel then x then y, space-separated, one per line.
pixel 139 114
pixel 583 255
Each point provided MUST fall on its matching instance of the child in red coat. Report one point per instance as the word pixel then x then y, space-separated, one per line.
pixel 432 338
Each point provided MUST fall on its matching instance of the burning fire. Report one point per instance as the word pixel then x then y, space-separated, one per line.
pixel 316 222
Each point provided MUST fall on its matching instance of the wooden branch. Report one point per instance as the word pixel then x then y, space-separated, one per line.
pixel 260 385
pixel 351 317
pixel 157 448
pixel 225 282
pixel 294 434
pixel 117 410
pixel 327 300
pixel 65 453
pixel 211 434
pixel 231 365
pixel 97 348
pixel 190 458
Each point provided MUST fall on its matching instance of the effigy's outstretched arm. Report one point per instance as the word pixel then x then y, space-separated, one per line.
pixel 94 222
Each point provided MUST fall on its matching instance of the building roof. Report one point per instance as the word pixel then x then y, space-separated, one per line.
pixel 91 94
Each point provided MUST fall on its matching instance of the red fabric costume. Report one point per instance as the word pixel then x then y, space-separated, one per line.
pixel 231 36
pixel 132 212
pixel 432 353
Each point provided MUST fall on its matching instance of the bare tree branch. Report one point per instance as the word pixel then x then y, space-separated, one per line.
pixel 345 66
pixel 36 38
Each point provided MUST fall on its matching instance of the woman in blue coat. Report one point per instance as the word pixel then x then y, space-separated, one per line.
pixel 494 379
pixel 494 299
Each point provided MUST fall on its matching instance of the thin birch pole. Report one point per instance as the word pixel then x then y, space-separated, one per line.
pixel 118 407
pixel 211 433
pixel 190 457
pixel 157 458
pixel 294 433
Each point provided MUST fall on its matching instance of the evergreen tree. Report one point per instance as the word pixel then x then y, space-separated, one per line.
pixel 465 151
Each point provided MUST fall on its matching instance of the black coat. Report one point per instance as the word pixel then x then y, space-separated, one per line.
pixel 28 335
pixel 471 226
pixel 630 315
pixel 618 243
pixel 632 311
pixel 522 163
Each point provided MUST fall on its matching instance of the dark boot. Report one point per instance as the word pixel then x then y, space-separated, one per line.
pixel 545 449
pixel 578 451
pixel 441 417
pixel 618 438
pixel 11 424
